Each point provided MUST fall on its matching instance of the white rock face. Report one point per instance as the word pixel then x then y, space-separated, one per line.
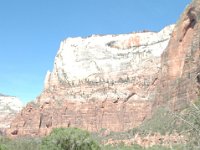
pixel 108 59
pixel 9 106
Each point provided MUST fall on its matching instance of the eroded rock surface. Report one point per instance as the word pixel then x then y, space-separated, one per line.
pixel 110 66
pixel 115 81
pixel 9 106
pixel 179 82
pixel 97 82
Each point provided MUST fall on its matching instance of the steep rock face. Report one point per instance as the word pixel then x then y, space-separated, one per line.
pixel 9 106
pixel 97 82
pixel 179 79
pixel 100 67
pixel 93 116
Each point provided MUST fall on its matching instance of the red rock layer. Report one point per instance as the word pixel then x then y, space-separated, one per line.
pixel 177 85
pixel 180 70
pixel 93 116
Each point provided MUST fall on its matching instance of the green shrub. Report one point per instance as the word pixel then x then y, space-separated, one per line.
pixel 3 147
pixel 19 144
pixel 69 139
pixel 122 147
pixel 24 144
pixel 158 147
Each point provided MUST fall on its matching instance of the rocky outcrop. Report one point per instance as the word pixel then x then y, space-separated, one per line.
pixel 97 82
pixel 179 78
pixel 115 81
pixel 39 120
pixel 9 106
pixel 111 66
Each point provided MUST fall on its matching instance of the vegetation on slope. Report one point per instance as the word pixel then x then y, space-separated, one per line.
pixel 163 121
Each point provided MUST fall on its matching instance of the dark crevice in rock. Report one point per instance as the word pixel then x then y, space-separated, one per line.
pixel 15 132
pixel 49 124
pixel 191 14
pixel 132 94
pixel 198 78
pixel 112 44
pixel 41 118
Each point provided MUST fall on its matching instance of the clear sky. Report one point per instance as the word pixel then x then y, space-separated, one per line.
pixel 31 32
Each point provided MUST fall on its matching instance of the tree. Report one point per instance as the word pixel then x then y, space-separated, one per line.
pixel 69 139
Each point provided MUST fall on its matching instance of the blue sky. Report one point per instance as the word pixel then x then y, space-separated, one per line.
pixel 31 32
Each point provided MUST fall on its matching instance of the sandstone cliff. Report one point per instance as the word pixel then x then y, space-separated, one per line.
pixel 97 82
pixel 114 81
pixel 9 106
pixel 179 78
pixel 107 67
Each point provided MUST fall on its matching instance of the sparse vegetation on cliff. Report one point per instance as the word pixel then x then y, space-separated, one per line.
pixel 185 122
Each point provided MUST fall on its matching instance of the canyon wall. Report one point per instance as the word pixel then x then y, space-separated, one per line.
pixel 179 78
pixel 107 67
pixel 98 82
pixel 114 82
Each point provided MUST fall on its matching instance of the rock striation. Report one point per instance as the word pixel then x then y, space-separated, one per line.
pixel 97 82
pixel 110 66
pixel 9 107
pixel 115 81
pixel 179 79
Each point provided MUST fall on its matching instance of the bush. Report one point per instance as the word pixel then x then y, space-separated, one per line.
pixel 2 144
pixel 69 139
pixel 158 147
pixel 3 147
pixel 24 144
pixel 19 144
pixel 123 147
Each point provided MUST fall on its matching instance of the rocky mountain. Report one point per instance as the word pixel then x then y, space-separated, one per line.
pixel 114 82
pixel 98 82
pixel 9 106
pixel 107 67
